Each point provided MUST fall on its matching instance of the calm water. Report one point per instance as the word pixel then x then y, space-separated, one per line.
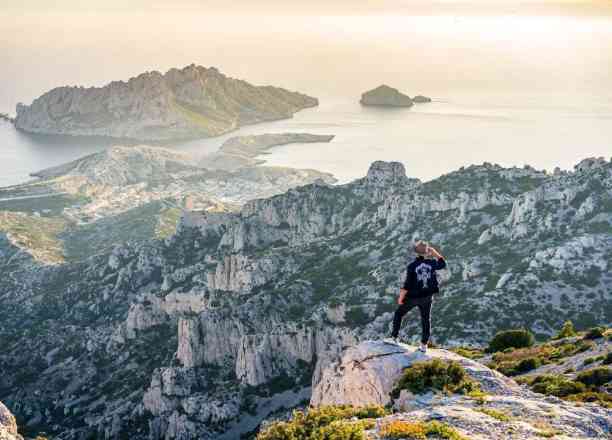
pixel 533 89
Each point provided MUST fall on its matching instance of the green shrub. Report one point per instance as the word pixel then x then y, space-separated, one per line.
pixel 436 374
pixel 556 386
pixel 566 331
pixel 503 340
pixel 608 359
pixel 595 377
pixel 603 399
pixel 468 352
pixel 589 361
pixel 527 365
pixel 398 429
pixel 595 333
pixel 495 414
pixel 326 422
pixel 583 389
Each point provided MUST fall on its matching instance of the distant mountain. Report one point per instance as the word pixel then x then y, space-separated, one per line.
pixel 182 103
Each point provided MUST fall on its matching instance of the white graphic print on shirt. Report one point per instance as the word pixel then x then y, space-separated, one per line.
pixel 423 273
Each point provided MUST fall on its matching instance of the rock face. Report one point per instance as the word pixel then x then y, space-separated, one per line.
pixel 366 374
pixel 8 426
pixel 241 151
pixel 182 103
pixel 386 96
pixel 204 333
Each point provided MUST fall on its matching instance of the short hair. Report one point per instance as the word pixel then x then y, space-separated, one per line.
pixel 420 247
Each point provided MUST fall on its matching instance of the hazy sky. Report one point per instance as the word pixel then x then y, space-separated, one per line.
pixel 345 7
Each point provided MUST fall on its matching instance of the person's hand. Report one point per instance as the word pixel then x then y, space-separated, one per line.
pixel 400 300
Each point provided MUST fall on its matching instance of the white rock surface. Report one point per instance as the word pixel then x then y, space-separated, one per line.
pixel 366 374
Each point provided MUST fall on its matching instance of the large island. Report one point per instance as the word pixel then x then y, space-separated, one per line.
pixel 182 103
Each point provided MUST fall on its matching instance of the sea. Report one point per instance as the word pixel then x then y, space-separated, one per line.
pixel 508 89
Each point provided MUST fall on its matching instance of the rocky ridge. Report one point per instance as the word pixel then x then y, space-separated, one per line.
pixel 241 151
pixel 367 373
pixel 199 333
pixel 191 102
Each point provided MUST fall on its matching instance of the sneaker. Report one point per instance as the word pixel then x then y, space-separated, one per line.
pixel 423 348
pixel 391 340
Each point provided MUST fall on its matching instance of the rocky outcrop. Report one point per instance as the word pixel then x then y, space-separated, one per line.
pixel 242 151
pixel 182 103
pixel 366 374
pixel 386 96
pixel 8 425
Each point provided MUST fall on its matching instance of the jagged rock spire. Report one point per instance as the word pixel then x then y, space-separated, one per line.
pixel 386 173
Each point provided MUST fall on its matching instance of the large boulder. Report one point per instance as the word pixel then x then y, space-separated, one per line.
pixel 366 373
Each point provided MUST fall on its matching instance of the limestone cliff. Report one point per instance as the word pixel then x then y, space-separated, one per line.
pixel 182 103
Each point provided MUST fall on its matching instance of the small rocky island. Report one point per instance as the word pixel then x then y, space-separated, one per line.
pixel 186 103
pixel 386 96
pixel 241 151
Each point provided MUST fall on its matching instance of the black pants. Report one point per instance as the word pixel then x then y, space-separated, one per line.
pixel 424 305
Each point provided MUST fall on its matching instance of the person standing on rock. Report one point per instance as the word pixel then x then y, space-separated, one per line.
pixel 418 290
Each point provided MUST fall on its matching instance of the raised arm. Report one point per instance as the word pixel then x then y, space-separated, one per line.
pixel 438 256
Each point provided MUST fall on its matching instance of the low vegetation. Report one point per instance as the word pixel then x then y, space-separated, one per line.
pixel 595 333
pixel 400 429
pixel 523 360
pixel 36 235
pixel 436 374
pixel 495 414
pixel 326 422
pixel 469 352
pixel 587 387
pixel 506 339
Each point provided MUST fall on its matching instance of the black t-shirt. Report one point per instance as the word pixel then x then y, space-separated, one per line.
pixel 421 279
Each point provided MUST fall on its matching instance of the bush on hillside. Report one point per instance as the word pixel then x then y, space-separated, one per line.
pixel 608 359
pixel 527 365
pixel 400 429
pixel 435 374
pixel 566 331
pixel 519 338
pixel 558 386
pixel 326 422
pixel 595 333
pixel 595 377
pixel 583 389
